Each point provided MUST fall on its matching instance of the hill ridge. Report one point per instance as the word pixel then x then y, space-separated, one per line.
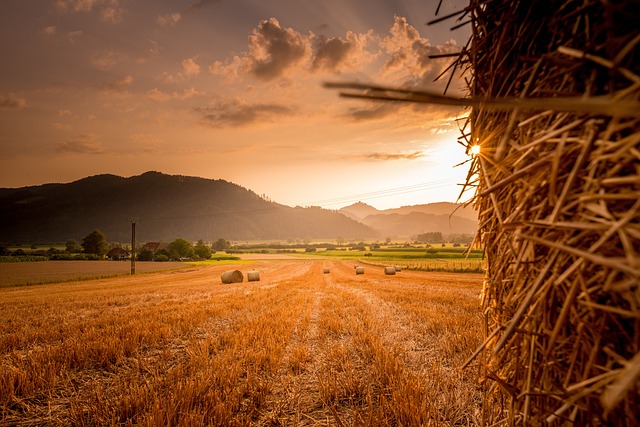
pixel 168 206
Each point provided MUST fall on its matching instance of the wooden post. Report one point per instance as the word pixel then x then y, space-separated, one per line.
pixel 133 245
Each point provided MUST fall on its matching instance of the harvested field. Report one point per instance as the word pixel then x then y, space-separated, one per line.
pixel 297 348
pixel 24 273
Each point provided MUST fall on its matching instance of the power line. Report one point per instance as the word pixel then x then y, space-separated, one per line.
pixel 334 201
pixel 382 193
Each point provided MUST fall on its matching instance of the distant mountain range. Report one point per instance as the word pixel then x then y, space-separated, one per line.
pixel 409 221
pixel 167 207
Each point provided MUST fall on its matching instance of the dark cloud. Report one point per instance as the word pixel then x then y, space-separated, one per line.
pixel 11 102
pixel 329 53
pixel 202 3
pixel 274 49
pixel 392 156
pixel 82 143
pixel 237 114
pixel 376 112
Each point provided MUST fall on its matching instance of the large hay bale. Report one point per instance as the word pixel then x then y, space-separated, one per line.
pixel 326 271
pixel 390 270
pixel 398 268
pixel 558 195
pixel 359 270
pixel 232 276
pixel 253 276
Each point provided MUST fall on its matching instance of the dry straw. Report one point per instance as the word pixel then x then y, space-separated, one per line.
pixel 554 89
pixel 558 195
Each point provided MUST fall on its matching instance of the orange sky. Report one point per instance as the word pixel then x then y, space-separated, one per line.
pixel 231 90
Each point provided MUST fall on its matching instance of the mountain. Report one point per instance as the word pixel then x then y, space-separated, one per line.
pixel 408 221
pixel 358 211
pixel 166 206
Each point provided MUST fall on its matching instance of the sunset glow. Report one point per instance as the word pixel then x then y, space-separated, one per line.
pixel 233 91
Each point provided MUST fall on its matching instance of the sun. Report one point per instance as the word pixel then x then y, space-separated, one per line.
pixel 475 150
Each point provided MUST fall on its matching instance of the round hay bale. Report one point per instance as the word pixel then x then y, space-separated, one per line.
pixel 253 276
pixel 326 271
pixel 232 276
pixel 359 270
pixel 390 271
pixel 398 268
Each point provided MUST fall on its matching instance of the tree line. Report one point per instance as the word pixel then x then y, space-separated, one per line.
pixel 95 246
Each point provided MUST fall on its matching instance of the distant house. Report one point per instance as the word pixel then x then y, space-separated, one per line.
pixel 117 254
pixel 154 247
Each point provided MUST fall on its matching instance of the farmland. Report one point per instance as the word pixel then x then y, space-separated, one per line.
pixel 299 347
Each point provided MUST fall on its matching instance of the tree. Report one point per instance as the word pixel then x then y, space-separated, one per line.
pixel 181 248
pixel 73 247
pixel 95 243
pixel 145 255
pixel 221 245
pixel 202 250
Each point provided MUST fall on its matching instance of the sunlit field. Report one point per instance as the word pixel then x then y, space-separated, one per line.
pixel 298 347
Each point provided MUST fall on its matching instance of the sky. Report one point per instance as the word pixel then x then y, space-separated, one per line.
pixel 233 90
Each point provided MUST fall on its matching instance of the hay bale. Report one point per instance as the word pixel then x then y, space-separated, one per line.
pixel 253 276
pixel 557 189
pixel 398 268
pixel 326 271
pixel 390 271
pixel 359 270
pixel 232 276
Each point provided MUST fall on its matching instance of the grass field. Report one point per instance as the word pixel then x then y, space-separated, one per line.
pixel 34 273
pixel 298 347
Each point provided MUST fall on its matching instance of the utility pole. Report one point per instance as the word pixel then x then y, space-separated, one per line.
pixel 133 245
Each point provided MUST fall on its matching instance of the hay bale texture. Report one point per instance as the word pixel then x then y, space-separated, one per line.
pixel 558 193
pixel 359 270
pixel 326 271
pixel 232 276
pixel 389 270
pixel 253 276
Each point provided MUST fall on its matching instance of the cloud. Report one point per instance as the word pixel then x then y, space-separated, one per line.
pixel 120 85
pixel 107 60
pixel 408 55
pixel 83 143
pixel 236 113
pixel 110 10
pixel 392 156
pixel 157 95
pixel 170 19
pixel 399 57
pixel 273 50
pixel 190 68
pixel 49 31
pixel 376 112
pixel 202 3
pixel 335 54
pixel 75 5
pixel 113 15
pixel 12 102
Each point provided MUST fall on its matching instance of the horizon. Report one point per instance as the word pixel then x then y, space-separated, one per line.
pixel 232 91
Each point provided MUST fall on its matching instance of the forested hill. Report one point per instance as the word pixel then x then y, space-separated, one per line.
pixel 167 207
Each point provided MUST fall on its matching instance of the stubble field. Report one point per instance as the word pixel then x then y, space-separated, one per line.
pixel 298 347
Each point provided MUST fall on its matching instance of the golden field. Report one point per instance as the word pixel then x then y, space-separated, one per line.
pixel 299 347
